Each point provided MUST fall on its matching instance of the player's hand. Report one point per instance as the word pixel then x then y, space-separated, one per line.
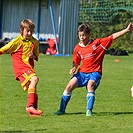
pixel 72 71
pixel 31 55
pixel 130 26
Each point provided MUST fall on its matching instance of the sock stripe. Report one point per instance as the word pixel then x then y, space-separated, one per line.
pixel 31 90
pixel 65 93
pixel 90 94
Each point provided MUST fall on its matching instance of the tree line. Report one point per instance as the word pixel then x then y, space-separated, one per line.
pixel 120 14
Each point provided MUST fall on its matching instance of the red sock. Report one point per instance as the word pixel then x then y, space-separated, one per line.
pixel 31 100
pixel 36 101
pixel 31 97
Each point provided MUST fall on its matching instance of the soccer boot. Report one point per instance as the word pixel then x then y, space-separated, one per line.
pixel 33 110
pixel 59 113
pixel 34 115
pixel 88 113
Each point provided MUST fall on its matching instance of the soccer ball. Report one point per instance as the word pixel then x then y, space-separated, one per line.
pixel 131 91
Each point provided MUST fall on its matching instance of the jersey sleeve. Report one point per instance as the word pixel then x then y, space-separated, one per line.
pixel 11 47
pixel 76 56
pixel 106 42
pixel 36 48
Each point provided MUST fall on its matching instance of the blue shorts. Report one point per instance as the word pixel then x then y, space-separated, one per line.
pixel 83 78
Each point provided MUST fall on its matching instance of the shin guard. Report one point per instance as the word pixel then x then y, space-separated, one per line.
pixel 90 98
pixel 64 101
pixel 31 97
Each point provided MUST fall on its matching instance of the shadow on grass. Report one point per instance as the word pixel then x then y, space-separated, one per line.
pixel 12 131
pixel 77 113
pixel 112 113
pixel 102 113
pixel 20 131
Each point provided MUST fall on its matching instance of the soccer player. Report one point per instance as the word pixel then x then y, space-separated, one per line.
pixel 89 53
pixel 24 49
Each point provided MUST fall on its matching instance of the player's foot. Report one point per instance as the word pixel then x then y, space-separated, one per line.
pixel 59 113
pixel 33 110
pixel 34 115
pixel 88 113
pixel 40 111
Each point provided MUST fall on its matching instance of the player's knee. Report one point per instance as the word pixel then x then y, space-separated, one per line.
pixel 91 85
pixel 70 88
pixel 34 79
pixel 71 85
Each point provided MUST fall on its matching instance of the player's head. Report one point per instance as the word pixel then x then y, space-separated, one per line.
pixel 84 28
pixel 84 33
pixel 27 28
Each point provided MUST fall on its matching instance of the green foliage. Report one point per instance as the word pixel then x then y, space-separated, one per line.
pixel 112 110
pixel 107 17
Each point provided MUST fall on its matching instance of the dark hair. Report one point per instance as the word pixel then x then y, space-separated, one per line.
pixel 84 27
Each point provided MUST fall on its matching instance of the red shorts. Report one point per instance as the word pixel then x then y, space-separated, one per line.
pixel 25 79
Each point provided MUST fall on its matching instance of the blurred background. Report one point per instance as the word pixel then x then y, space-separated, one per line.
pixel 59 19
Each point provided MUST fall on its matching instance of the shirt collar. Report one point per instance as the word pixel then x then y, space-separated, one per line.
pixel 23 39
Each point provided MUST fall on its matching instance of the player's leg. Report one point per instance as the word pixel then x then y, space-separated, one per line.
pixel 90 97
pixel 91 87
pixel 33 110
pixel 67 95
pixel 29 81
pixel 32 104
pixel 32 91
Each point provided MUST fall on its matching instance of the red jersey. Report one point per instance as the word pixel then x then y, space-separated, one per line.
pixel 92 55
pixel 19 49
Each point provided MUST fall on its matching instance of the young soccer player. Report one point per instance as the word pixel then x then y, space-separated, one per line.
pixel 24 49
pixel 90 54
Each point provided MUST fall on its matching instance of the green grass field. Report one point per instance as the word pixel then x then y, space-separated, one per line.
pixel 112 110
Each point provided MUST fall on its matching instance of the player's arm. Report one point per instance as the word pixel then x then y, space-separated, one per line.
pixel 5 49
pixel 74 68
pixel 9 48
pixel 35 53
pixel 0 52
pixel 75 61
pixel 31 55
pixel 122 32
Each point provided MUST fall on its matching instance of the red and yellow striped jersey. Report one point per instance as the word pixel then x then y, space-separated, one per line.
pixel 19 49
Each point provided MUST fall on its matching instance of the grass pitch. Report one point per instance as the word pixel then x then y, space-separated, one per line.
pixel 112 111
